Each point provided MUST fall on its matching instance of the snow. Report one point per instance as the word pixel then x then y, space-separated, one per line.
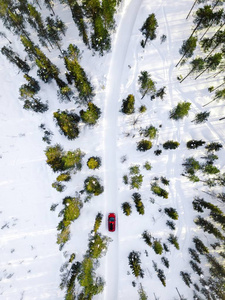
pixel 30 257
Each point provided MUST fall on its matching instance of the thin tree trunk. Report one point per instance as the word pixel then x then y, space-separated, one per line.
pixel 214 33
pixel 210 101
pixel 187 75
pixel 191 9
pixel 38 4
pixel 51 7
pixel 203 71
pixel 219 86
pixel 221 118
pixel 212 51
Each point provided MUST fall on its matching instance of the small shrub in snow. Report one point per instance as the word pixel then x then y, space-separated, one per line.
pixel 194 144
pixel 125 179
pixel 171 145
pixel 58 186
pixel 144 145
pixel 63 237
pixel 142 294
pixel 171 224
pixel 165 262
pixel 157 152
pixel 173 240
pixel 92 186
pixel 147 166
pixel 164 180
pixel 64 177
pixel 186 278
pixel 201 117
pixel 180 111
pixel 148 29
pixel 126 208
pixel 135 264
pixel 94 162
pixel 157 246
pixel 98 221
pixel 128 105
pixel 172 213
pixel 147 238
pixel 142 109
pixel 160 93
pixel 91 115
pixel 149 132
pixel 138 203
pixel 159 191
pixel 163 38
pixel 191 165
pixel 165 247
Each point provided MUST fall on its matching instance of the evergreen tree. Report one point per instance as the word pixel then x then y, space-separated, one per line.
pixel 212 63
pixel 68 123
pixel 201 117
pixel 209 227
pixel 173 240
pixel 147 85
pixel 186 278
pixel 91 115
pixel 194 144
pixel 54 29
pixel 180 111
pixel 172 213
pixel 171 145
pixel 14 58
pixel 197 64
pixel 149 29
pixel 135 264
pixel 98 221
pixel 187 49
pixel 128 105
pixel 126 207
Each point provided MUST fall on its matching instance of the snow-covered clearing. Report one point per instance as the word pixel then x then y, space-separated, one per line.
pixel 30 258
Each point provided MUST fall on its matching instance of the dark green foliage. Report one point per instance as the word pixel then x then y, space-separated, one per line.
pixel 54 29
pixel 194 144
pixel 157 246
pixel 144 145
pixel 210 169
pixel 180 111
pixel 59 160
pixel 191 165
pixel 92 186
pixel 94 162
pixel 128 105
pixel 171 145
pixel 147 238
pixel 157 152
pixel 147 85
pixel 91 115
pixel 173 240
pixel 209 227
pixel 138 203
pixel 97 244
pixel 164 180
pixel 194 255
pixel 71 211
pixel 201 117
pixel 14 58
pixel 161 276
pixel 100 38
pixel 126 207
pixel 186 278
pixel 172 213
pixel 68 123
pixel 171 224
pixel 163 38
pixel 136 181
pixel 213 147
pixel 160 93
pixel 199 245
pixel 125 179
pixel 165 247
pixel 216 269
pixel 149 132
pixel 188 47
pixel 98 221
pixel 149 29
pixel 77 74
pixel 36 105
pixel 135 264
pixel 196 268
pixel 156 189
pixel 165 262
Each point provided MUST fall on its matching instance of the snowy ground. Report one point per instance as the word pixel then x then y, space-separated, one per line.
pixel 30 258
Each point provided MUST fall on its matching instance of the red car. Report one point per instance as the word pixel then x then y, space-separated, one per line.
pixel 111 222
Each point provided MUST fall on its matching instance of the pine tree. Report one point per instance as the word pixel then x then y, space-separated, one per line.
pixel 201 117
pixel 91 115
pixel 149 29
pixel 186 278
pixel 54 29
pixel 135 264
pixel 147 85
pixel 180 111
pixel 14 58
pixel 212 63
pixel 197 65
pixel 187 48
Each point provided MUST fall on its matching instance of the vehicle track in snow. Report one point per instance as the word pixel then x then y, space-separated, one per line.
pixel 113 89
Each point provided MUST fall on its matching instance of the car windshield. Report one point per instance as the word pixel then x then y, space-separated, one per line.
pixel 111 219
